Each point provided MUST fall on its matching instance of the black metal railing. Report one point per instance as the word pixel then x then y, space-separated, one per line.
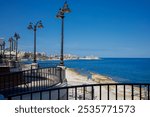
pixel 121 91
pixel 4 69
pixel 29 80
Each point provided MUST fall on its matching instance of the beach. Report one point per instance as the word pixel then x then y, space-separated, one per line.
pixel 75 78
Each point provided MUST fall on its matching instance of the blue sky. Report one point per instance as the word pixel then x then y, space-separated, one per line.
pixel 105 28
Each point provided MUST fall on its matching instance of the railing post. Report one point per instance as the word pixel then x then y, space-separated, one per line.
pixel 92 92
pixel 124 92
pixel 50 95
pixel 58 94
pixel 108 92
pixel 31 66
pixel 67 93
pixel 132 92
pixel 140 92
pixel 100 92
pixel 60 71
pixel 116 92
pixel 75 93
pixel 83 92
pixel 148 93
pixel 145 92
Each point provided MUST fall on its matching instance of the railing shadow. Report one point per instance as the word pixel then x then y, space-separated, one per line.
pixel 29 80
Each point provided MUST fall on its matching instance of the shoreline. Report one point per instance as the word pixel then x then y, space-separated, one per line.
pixel 75 78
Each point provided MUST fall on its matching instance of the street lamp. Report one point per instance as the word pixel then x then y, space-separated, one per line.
pixel 10 47
pixel 16 36
pixel 3 49
pixel 1 46
pixel 61 15
pixel 34 28
pixel 4 45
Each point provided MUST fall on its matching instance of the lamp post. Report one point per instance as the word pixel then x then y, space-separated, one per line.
pixel 16 36
pixel 14 45
pixel 3 49
pixel 34 28
pixel 4 45
pixel 10 47
pixel 61 15
pixel 1 53
pixel 1 46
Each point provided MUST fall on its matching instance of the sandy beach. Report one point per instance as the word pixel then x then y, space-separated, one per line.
pixel 75 78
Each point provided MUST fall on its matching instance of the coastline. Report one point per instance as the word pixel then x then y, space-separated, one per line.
pixel 75 78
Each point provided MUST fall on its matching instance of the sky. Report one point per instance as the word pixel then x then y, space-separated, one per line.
pixel 104 28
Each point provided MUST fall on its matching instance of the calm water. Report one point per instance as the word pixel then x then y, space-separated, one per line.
pixel 119 69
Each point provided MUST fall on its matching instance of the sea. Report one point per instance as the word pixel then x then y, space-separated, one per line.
pixel 123 70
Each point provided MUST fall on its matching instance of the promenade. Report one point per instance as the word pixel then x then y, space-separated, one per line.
pixel 76 86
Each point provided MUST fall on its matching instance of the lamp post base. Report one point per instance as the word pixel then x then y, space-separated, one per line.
pixel 62 73
pixel 34 66
pixel 61 62
pixel 11 63
pixel 17 64
pixel 61 65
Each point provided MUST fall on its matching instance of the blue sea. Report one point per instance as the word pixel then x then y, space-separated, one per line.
pixel 124 70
